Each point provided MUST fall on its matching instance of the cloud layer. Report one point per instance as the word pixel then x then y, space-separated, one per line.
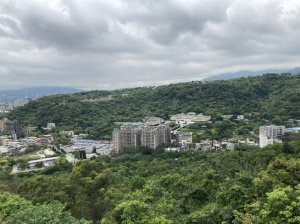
pixel 99 44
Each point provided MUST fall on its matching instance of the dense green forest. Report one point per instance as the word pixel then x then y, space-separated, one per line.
pixel 271 97
pixel 247 186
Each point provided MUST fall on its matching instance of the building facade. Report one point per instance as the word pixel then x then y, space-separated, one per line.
pixel 153 121
pixel 184 139
pixel 189 118
pixel 150 137
pixel 269 135
pixel 131 136
pixel 125 137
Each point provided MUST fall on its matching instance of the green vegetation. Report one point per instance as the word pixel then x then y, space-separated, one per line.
pixel 246 186
pixel 34 148
pixel 5 133
pixel 16 210
pixel 271 97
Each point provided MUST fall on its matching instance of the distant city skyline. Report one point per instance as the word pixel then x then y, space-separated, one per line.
pixel 100 44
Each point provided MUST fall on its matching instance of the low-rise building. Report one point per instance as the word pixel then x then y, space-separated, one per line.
pixel 67 133
pixel 51 126
pixel 293 130
pixel 153 121
pixel 184 139
pixel 174 149
pixel 4 151
pixel 240 117
pixel 46 162
pixel 31 128
pixel 190 117
pixel 294 121
pixel 4 140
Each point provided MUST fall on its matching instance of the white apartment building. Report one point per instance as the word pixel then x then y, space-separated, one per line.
pixel 269 135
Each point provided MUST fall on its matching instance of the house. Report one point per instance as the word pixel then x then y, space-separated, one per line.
pixel 51 126
pixel 240 117
pixel 67 133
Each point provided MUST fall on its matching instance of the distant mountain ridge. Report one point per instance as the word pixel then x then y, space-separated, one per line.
pixel 246 73
pixel 34 92
pixel 268 96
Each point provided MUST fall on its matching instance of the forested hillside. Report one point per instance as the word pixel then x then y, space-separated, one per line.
pixel 270 97
pixel 255 186
pixel 247 185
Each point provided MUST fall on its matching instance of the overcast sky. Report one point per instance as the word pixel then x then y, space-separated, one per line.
pixel 108 44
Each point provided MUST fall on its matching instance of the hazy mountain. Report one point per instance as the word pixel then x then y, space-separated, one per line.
pixel 246 73
pixel 34 92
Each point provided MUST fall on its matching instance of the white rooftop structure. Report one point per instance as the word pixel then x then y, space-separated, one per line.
pixel 190 117
pixel 294 130
pixel 45 161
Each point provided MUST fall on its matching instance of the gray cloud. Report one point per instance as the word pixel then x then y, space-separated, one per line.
pixel 96 44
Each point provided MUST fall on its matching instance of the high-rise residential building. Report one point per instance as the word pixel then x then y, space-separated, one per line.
pixel 269 135
pixel 125 137
pixel 164 134
pixel 153 136
pixel 18 130
pixel 150 137
pixel 131 137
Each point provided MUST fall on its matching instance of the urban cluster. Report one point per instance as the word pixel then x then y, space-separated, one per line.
pixel 8 105
pixel 37 152
pixel 152 133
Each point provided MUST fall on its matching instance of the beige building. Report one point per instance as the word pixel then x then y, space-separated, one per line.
pixel 185 139
pixel 67 133
pixel 131 136
pixel 153 136
pixel 150 137
pixel 190 117
pixel 125 137
pixel 4 141
pixel 153 120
